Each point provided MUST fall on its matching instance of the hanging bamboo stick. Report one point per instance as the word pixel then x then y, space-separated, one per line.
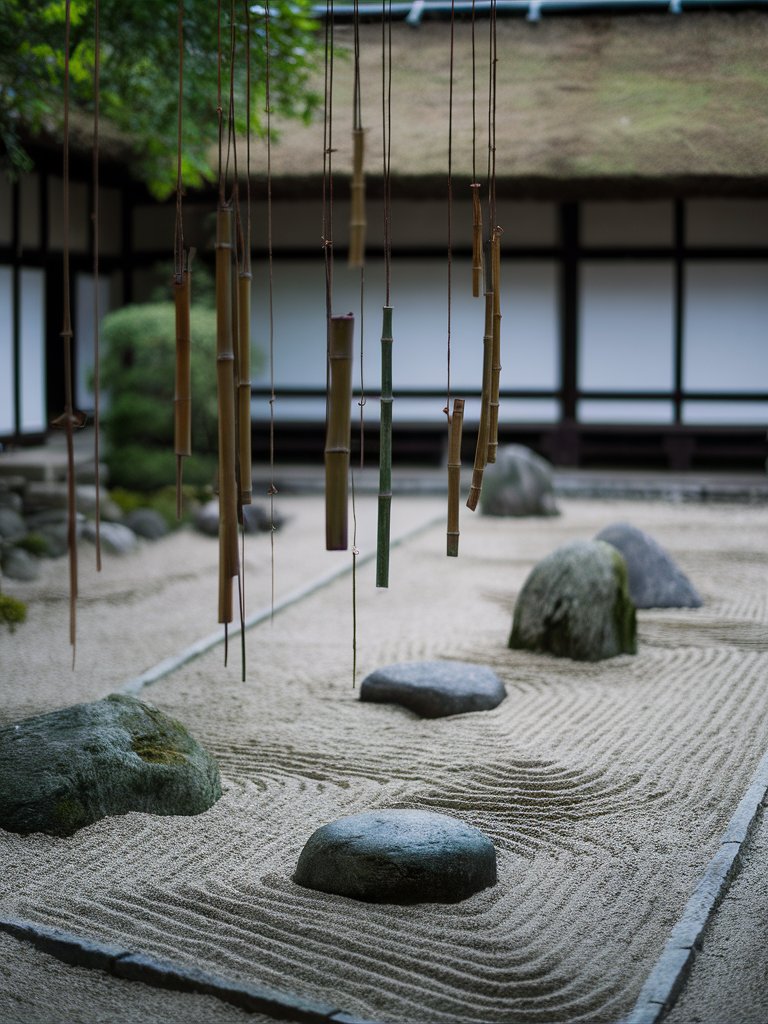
pixel 357 222
pixel 244 385
pixel 481 450
pixel 493 425
pixel 225 359
pixel 454 476
pixel 477 240
pixel 182 397
pixel 338 431
pixel 385 452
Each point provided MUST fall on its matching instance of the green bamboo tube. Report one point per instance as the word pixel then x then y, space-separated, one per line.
pixel 244 386
pixel 477 240
pixel 481 450
pixel 182 397
pixel 454 476
pixel 493 403
pixel 225 381
pixel 385 452
pixel 357 223
pixel 338 430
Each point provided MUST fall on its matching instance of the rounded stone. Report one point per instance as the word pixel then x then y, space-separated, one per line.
pixel 398 856
pixel 69 768
pixel 518 483
pixel 146 523
pixel 19 564
pixel 576 604
pixel 114 537
pixel 12 525
pixel 434 689
pixel 655 580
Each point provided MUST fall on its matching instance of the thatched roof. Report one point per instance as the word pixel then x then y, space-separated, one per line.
pixel 647 99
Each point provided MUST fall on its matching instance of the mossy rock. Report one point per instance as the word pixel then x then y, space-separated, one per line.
pixel 518 483
pixel 67 769
pixel 576 604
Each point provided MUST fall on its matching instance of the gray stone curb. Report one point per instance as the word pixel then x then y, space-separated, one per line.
pixel 668 976
pixel 122 963
pixel 168 665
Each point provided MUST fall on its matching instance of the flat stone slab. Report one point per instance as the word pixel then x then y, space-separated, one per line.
pixel 69 768
pixel 434 689
pixel 655 579
pixel 398 856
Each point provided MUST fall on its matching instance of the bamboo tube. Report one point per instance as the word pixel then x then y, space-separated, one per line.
pixel 385 452
pixel 454 476
pixel 225 361
pixel 481 451
pixel 357 223
pixel 493 403
pixel 244 386
pixel 182 397
pixel 338 430
pixel 477 240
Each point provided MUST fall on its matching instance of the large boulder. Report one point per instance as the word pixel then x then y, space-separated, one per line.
pixel 576 604
pixel 518 483
pixel 435 688
pixel 398 856
pixel 69 768
pixel 655 580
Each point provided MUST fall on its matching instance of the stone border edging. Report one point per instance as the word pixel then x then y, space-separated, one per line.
pixel 665 982
pixel 175 661
pixel 122 963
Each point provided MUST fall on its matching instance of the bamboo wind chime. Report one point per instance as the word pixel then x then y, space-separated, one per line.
pixel 338 431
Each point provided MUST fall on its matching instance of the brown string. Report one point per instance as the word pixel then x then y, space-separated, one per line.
pixel 357 125
pixel 492 61
pixel 270 269
pixel 66 334
pixel 447 409
pixel 178 241
pixel 96 311
pixel 219 108
pixel 386 122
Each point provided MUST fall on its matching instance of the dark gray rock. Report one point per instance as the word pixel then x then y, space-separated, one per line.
pixel 435 688
pixel 56 538
pixel 45 494
pixel 655 580
pixel 207 518
pixel 64 770
pixel 576 604
pixel 255 519
pixel 19 564
pixel 398 856
pixel 12 525
pixel 114 537
pixel 518 483
pixel 146 523
pixel 10 499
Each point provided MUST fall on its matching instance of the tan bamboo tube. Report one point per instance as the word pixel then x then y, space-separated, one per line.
pixel 182 397
pixel 225 380
pixel 454 476
pixel 338 430
pixel 244 385
pixel 493 403
pixel 477 240
pixel 481 450
pixel 357 223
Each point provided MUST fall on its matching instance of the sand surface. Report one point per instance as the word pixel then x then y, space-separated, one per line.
pixel 605 787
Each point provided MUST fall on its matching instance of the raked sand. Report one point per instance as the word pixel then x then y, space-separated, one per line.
pixel 605 787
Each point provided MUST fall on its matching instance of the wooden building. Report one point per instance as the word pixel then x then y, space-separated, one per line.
pixel 632 188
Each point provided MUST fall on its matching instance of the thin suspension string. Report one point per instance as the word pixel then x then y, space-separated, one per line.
pixel 66 334
pixel 357 125
pixel 474 99
pixel 492 60
pixel 178 239
pixel 447 409
pixel 219 108
pixel 386 122
pixel 328 163
pixel 96 311
pixel 270 302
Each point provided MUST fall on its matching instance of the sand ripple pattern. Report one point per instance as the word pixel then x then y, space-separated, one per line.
pixel 605 788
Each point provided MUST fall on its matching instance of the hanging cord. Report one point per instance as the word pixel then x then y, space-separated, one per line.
pixel 386 121
pixel 328 162
pixel 96 312
pixel 66 334
pixel 182 295
pixel 357 222
pixel 492 61
pixel 270 273
pixel 447 409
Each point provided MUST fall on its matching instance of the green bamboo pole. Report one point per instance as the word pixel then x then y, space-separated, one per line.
pixel 182 398
pixel 357 223
pixel 477 240
pixel 244 386
pixel 481 450
pixel 338 430
pixel 493 404
pixel 454 476
pixel 225 380
pixel 385 452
